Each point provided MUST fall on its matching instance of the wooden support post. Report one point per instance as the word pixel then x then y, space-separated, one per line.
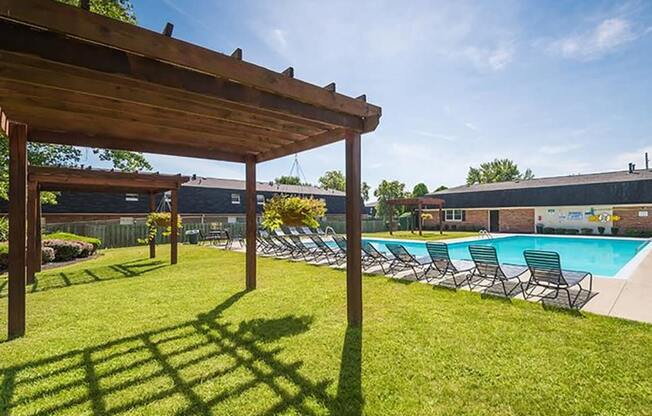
pixel 174 218
pixel 250 229
pixel 353 230
pixel 441 222
pixel 390 207
pixel 31 231
pixel 17 231
pixel 419 219
pixel 152 242
pixel 39 231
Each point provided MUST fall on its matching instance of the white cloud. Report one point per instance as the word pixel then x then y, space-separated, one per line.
pixel 494 59
pixel 471 126
pixel 606 37
pixel 446 137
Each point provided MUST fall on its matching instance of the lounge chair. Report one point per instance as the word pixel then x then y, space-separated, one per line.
pixel 308 253
pixel 373 257
pixel 442 265
pixel 305 230
pixel 487 267
pixel 331 254
pixel 404 260
pixel 546 272
pixel 289 248
pixel 317 231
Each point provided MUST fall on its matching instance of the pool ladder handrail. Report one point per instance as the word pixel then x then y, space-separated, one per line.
pixel 485 234
pixel 330 231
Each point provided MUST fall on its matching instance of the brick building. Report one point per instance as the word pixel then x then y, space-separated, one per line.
pixel 621 200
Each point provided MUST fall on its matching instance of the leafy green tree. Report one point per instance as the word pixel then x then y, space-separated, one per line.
pixel 419 189
pixel 388 190
pixel 333 179
pixel 287 180
pixel 498 170
pixel 364 190
pixel 441 188
pixel 59 155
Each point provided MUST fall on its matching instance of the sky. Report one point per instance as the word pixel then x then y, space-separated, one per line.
pixel 560 87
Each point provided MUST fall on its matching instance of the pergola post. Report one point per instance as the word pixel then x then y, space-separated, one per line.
pixel 17 231
pixel 39 230
pixel 250 226
pixel 152 242
pixel 441 222
pixel 353 230
pixel 419 220
pixel 391 217
pixel 32 227
pixel 174 225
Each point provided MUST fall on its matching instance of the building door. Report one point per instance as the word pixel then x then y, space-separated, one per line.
pixel 494 221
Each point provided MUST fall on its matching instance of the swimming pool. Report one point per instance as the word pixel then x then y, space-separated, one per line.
pixel 600 256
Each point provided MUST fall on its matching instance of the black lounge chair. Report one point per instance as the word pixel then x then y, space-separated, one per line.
pixel 289 248
pixel 308 253
pixel 404 260
pixel 442 265
pixel 332 255
pixel 487 267
pixel 372 257
pixel 546 272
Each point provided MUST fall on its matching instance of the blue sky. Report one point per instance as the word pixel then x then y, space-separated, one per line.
pixel 560 87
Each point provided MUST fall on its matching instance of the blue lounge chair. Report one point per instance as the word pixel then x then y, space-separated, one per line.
pixel 488 268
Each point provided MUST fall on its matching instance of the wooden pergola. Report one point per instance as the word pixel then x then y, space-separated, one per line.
pixel 54 179
pixel 419 203
pixel 69 76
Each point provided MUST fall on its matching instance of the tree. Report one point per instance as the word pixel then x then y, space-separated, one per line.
pixel 498 170
pixel 287 180
pixel 62 155
pixel 419 189
pixel 441 188
pixel 333 179
pixel 364 191
pixel 388 190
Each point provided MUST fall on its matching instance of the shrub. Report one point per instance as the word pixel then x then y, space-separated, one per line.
pixel 87 249
pixel 615 230
pixel 96 242
pixel 601 230
pixel 587 231
pixel 4 229
pixel 548 230
pixel 64 250
pixel 560 230
pixel 48 255
pixel 630 232
pixel 292 211
pixel 572 231
pixel 4 256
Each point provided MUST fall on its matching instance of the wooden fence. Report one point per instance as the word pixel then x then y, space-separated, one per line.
pixel 117 235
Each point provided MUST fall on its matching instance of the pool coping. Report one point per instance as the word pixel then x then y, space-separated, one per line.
pixel 623 273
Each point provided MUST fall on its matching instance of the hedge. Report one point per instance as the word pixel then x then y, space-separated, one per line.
pixel 64 250
pixel 96 242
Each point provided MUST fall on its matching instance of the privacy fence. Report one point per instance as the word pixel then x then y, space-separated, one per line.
pixel 118 235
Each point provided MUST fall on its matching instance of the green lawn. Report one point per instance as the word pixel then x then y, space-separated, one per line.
pixel 123 334
pixel 427 235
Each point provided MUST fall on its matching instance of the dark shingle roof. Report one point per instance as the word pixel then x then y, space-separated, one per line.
pixel 586 179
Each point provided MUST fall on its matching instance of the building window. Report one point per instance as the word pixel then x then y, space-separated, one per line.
pixel 235 199
pixel 131 197
pixel 260 199
pixel 454 215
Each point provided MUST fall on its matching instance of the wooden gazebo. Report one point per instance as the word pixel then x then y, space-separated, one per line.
pixel 69 76
pixel 55 179
pixel 419 204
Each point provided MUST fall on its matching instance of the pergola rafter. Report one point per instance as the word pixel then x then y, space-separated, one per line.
pixel 81 79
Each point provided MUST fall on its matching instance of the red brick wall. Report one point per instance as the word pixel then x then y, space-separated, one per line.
pixel 517 220
pixel 475 219
pixel 629 219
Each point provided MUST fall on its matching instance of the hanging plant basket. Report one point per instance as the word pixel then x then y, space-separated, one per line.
pixel 156 220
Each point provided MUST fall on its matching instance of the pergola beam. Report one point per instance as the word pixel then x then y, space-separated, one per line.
pixel 319 140
pixel 127 37
pixel 353 230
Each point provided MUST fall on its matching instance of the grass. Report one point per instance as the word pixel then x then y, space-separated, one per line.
pixel 427 235
pixel 123 334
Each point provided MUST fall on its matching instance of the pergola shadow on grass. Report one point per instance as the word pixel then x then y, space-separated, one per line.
pixel 105 370
pixel 68 76
pixel 56 179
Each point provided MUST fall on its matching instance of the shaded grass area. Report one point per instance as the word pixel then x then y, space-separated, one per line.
pixel 186 339
pixel 427 235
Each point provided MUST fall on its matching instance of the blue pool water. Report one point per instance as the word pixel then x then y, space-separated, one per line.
pixel 600 256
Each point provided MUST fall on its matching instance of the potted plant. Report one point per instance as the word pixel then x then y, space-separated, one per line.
pixel 601 230
pixel 292 211
pixel 615 230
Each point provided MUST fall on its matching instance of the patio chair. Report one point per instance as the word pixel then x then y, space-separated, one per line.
pixel 332 255
pixel 308 253
pixel 442 264
pixel 546 272
pixel 487 267
pixel 372 257
pixel 317 230
pixel 404 260
pixel 287 247
pixel 305 230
